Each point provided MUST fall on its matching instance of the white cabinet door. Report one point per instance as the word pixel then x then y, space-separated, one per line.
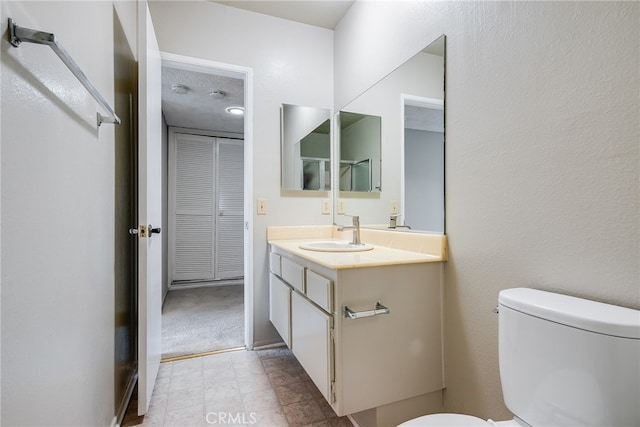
pixel 280 307
pixel 311 342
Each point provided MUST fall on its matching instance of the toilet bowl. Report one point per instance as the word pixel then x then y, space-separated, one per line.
pixel 594 381
pixel 445 420
pixel 457 420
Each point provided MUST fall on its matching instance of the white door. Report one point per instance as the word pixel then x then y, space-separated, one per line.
pixel 149 208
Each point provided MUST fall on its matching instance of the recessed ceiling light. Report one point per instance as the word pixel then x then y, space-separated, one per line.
pixel 238 111
pixel 217 94
pixel 180 89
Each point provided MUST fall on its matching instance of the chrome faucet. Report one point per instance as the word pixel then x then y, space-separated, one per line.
pixel 356 230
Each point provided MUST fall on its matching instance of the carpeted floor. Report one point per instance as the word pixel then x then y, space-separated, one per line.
pixel 199 320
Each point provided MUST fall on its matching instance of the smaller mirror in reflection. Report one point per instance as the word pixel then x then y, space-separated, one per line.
pixel 360 144
pixel 306 148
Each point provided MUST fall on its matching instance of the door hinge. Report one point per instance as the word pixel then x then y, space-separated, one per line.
pixel 333 391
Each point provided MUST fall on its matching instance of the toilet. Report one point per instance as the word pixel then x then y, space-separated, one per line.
pixel 564 361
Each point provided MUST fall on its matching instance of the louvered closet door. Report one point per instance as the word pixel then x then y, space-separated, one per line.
pixel 230 195
pixel 195 210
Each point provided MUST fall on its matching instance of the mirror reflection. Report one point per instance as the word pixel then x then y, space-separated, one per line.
pixel 359 152
pixel 410 103
pixel 305 147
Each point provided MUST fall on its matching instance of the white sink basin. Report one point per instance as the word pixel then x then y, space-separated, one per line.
pixel 335 246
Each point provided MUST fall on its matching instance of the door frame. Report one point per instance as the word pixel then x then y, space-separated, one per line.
pixel 246 73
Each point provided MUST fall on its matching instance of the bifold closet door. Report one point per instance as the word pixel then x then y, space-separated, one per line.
pixel 194 207
pixel 206 207
pixel 229 261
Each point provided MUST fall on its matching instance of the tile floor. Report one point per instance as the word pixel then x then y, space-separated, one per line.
pixel 261 388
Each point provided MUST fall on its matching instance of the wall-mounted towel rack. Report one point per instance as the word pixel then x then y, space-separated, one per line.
pixel 19 34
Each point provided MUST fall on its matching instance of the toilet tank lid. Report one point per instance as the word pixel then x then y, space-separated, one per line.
pixel 571 311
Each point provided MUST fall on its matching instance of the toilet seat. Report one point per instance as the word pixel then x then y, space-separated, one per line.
pixel 445 420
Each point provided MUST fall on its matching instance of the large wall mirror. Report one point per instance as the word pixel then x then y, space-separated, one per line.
pixel 409 185
pixel 305 147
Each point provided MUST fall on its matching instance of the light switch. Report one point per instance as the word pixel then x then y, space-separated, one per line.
pixel 262 206
pixel 326 207
pixel 340 207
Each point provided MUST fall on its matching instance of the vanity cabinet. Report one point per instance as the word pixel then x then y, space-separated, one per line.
pixel 380 356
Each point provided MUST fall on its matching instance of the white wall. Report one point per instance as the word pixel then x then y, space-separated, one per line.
pixel 292 64
pixel 542 156
pixel 57 220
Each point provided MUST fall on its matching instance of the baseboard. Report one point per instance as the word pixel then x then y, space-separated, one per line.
pixel 353 421
pixel 201 284
pixel 114 422
pixel 259 346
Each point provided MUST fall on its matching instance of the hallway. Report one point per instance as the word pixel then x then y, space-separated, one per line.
pixel 202 319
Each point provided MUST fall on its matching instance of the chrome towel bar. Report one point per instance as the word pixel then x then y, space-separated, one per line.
pixel 19 34
pixel 378 310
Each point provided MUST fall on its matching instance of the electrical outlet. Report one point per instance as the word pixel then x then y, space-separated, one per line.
pixel 262 206
pixel 340 207
pixel 394 207
pixel 326 207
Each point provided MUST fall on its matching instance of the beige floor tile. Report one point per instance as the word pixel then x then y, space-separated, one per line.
pixel 165 370
pixel 261 401
pixel 253 383
pixel 287 376
pixel 292 393
pixel 186 366
pixel 162 386
pixel 222 390
pixel 303 413
pixel 191 416
pixel 216 376
pixel 185 381
pixel 271 419
pixel 183 398
pixel 230 405
pixel 248 369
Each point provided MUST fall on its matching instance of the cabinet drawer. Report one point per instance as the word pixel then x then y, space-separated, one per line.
pixel 274 264
pixel 292 273
pixel 320 290
pixel 280 307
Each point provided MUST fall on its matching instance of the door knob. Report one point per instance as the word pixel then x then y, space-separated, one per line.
pixel 156 230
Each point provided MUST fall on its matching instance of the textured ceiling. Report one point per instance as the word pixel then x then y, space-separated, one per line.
pixel 421 118
pixel 196 108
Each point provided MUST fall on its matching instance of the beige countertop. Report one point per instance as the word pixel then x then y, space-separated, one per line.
pixel 378 256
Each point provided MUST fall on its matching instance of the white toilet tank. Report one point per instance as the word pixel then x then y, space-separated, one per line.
pixel 566 361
